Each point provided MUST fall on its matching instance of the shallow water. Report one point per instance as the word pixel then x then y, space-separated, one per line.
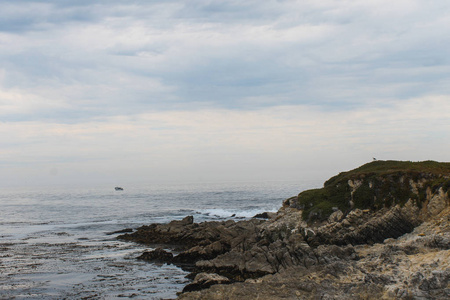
pixel 54 243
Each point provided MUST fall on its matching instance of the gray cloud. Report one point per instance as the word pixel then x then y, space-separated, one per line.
pixel 222 52
pixel 75 73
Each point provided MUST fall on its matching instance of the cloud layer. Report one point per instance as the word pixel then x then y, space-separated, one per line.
pixel 282 143
pixel 261 87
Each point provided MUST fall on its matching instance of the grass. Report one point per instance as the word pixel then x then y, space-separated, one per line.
pixel 385 167
pixel 383 184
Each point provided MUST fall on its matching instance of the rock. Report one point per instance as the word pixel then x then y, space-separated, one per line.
pixel 359 228
pixel 205 280
pixel 198 241
pixel 438 201
pixel 202 252
pixel 437 280
pixel 120 231
pixel 378 279
pixel 335 216
pixel 186 221
pixel 292 203
pixel 265 215
pixel 157 255
pixel 437 241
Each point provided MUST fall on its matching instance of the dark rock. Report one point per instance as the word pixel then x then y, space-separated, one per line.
pixel 186 221
pixel 378 279
pixel 196 253
pixel 437 280
pixel 264 215
pixel 292 203
pixel 205 280
pixel 120 231
pixel 157 255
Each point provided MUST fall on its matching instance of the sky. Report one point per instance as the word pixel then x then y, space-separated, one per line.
pixel 115 92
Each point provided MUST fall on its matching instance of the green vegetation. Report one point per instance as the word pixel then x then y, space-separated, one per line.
pixel 385 167
pixel 378 184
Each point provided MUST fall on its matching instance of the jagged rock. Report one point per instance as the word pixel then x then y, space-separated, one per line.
pixel 157 255
pixel 378 279
pixel 265 215
pixel 198 241
pixel 292 203
pixel 126 230
pixel 205 280
pixel 437 280
pixel 263 258
pixel 438 201
pixel 365 228
pixel 329 253
pixel 202 252
pixel 335 216
pixel 437 241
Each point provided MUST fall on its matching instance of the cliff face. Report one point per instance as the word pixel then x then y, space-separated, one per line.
pixel 379 231
pixel 379 185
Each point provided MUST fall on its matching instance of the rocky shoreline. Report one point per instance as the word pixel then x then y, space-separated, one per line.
pixel 398 251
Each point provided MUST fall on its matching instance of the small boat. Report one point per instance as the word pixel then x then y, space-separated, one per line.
pixel 118 188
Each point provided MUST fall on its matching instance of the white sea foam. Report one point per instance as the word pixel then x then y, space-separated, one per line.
pixel 233 213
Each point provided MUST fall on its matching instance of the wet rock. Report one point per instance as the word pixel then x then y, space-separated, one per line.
pixel 202 252
pixel 186 221
pixel 205 280
pixel 157 255
pixel 265 215
pixel 126 230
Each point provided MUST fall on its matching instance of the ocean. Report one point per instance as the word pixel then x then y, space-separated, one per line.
pixel 55 243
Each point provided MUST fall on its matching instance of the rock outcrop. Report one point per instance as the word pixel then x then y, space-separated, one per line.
pixel 366 235
pixel 197 241
pixel 205 280
pixel 413 266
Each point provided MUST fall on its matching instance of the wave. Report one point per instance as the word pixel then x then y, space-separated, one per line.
pixel 221 213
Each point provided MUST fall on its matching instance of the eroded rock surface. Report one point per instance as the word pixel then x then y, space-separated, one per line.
pixel 205 280
pixel 414 266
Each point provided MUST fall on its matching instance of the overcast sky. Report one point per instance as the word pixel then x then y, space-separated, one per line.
pixel 115 92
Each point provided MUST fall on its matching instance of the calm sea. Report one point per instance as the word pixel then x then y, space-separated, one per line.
pixel 54 242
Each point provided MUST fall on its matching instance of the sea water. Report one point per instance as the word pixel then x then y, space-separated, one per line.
pixel 55 242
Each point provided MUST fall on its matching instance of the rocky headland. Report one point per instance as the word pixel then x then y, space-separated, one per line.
pixel 381 231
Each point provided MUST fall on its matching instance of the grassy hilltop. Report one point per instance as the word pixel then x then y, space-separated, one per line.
pixel 375 185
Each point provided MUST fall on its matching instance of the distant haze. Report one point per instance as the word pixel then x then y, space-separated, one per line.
pixel 113 92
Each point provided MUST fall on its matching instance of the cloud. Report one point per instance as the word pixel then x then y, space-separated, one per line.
pixel 283 142
pixel 220 53
pixel 221 87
